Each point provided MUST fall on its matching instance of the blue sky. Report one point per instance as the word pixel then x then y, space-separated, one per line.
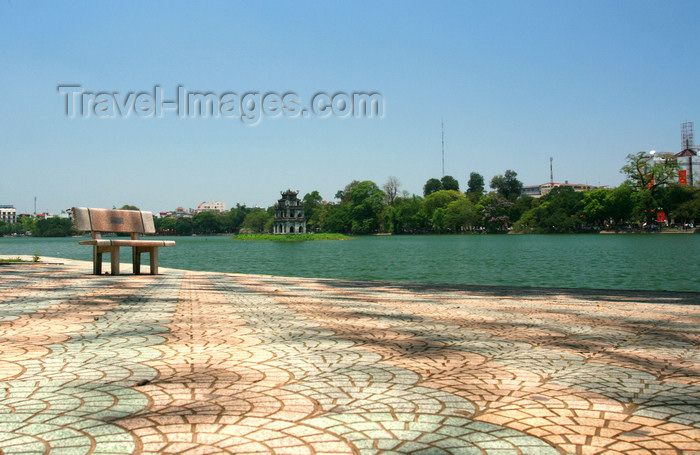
pixel 514 82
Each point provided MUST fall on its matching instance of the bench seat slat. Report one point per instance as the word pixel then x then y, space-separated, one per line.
pixel 125 242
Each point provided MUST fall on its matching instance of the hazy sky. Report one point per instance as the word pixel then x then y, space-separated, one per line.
pixel 514 82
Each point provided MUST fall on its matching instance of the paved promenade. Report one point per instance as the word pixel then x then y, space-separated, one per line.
pixel 195 362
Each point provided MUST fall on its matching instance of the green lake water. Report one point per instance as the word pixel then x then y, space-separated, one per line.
pixel 630 261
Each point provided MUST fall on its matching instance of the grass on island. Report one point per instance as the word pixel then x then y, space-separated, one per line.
pixel 291 237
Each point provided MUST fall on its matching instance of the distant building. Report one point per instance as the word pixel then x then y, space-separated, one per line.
pixel 687 158
pixel 543 189
pixel 179 212
pixel 211 207
pixel 289 214
pixel 8 214
pixel 689 167
pixel 532 191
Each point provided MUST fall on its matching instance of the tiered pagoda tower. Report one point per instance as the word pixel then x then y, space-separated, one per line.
pixel 289 214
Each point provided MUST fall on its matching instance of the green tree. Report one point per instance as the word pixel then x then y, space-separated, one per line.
pixel 256 221
pixel 460 214
pixel 560 210
pixel 688 212
pixel 343 194
pixel 365 201
pixel 507 185
pixel 208 222
pixel 645 173
pixel 431 186
pixel 128 207
pixel 312 203
pixel 408 216
pixel 166 224
pixel 528 222
pixel 675 195
pixel 183 226
pixel 439 199
pixel 234 218
pixel 437 220
pixel 25 224
pixel 449 183
pixel 53 227
pixel 475 186
pixel 596 206
pixel 522 205
pixel 619 201
pixel 645 207
pixel 338 219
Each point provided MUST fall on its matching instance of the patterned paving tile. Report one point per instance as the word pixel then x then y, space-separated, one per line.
pixel 191 362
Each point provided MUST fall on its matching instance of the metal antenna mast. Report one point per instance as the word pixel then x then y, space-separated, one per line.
pixel 443 148
pixel 551 172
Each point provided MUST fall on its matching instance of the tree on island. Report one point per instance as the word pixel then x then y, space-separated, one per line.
pixel 258 220
pixel 366 203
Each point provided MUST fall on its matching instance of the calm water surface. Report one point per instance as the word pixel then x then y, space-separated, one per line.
pixel 659 262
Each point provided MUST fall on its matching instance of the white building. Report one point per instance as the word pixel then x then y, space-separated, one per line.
pixel 689 164
pixel 8 214
pixel 543 189
pixel 211 206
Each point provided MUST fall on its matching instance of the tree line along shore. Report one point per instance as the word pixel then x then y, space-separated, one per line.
pixel 650 199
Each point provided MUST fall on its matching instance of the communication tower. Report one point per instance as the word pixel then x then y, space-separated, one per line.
pixel 443 148
pixel 551 172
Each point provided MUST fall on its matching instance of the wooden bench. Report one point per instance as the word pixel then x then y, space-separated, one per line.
pixel 134 222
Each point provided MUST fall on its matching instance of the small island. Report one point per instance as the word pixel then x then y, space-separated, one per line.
pixel 291 237
pixel 290 224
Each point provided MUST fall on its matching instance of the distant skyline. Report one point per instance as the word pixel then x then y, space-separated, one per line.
pixel 515 83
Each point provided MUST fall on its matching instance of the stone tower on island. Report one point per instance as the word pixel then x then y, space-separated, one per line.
pixel 289 214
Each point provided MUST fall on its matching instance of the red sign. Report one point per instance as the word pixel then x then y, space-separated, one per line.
pixel 683 177
pixel 661 217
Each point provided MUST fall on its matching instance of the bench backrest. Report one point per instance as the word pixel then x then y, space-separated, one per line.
pixel 106 220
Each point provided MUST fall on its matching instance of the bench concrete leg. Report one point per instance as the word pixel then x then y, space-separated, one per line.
pixel 153 257
pixel 98 251
pixel 136 259
pixel 96 260
pixel 115 259
pixel 154 260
